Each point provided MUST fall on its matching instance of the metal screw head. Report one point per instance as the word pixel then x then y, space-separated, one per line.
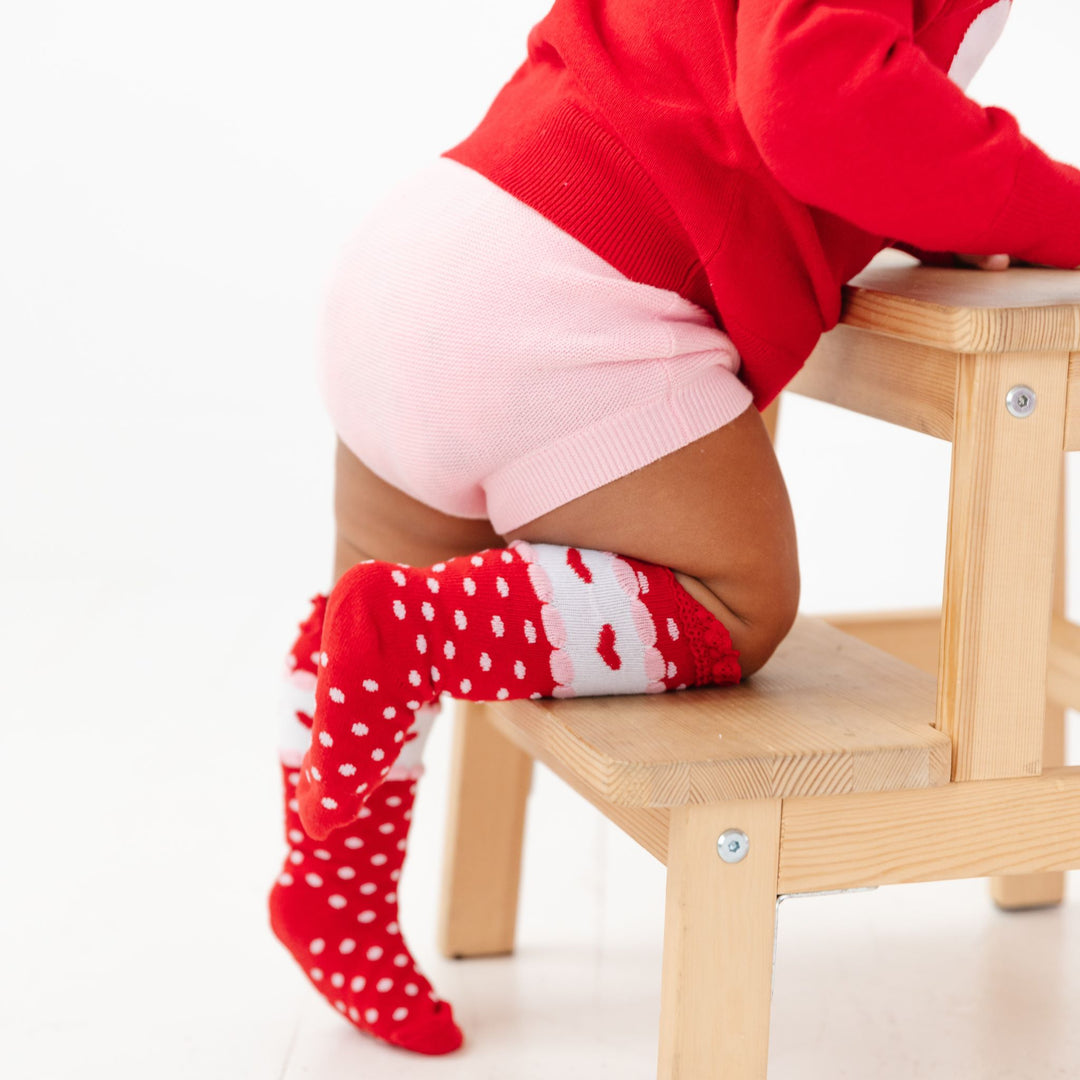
pixel 1020 401
pixel 733 845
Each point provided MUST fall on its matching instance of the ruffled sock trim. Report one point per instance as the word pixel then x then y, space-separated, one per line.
pixel 716 660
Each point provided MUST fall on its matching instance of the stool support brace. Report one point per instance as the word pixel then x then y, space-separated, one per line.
pixel 975 829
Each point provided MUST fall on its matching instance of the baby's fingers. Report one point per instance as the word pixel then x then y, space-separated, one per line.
pixel 985 262
pixel 1040 266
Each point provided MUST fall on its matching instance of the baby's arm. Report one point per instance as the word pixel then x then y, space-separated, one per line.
pixel 852 116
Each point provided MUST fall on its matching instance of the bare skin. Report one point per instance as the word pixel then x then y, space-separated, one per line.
pixel 716 512
pixel 1001 262
pixel 985 262
pixel 378 521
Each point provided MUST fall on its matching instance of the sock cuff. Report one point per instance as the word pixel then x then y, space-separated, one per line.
pixel 701 636
pixel 410 763
pixel 586 593
pixel 715 657
pixel 296 698
pixel 304 654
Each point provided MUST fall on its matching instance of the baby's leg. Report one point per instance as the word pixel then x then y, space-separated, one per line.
pixel 717 513
pixel 660 580
pixel 334 905
pixel 377 521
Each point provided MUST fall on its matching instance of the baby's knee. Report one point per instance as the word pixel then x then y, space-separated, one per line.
pixel 768 624
pixel 758 614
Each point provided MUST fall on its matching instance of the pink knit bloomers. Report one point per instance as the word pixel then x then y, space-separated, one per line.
pixel 490 365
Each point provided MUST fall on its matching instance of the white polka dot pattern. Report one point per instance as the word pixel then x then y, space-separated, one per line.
pixel 366 702
pixel 363 968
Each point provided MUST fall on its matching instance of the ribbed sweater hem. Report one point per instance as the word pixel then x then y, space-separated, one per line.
pixel 562 161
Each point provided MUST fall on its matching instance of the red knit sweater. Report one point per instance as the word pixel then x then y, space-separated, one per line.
pixel 753 155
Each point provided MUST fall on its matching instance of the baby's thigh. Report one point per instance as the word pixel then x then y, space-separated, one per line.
pixel 375 520
pixel 717 512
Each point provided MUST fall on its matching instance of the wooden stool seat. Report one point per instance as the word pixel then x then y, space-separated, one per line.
pixel 828 714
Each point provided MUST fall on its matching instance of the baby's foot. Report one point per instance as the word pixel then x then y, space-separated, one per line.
pixel 334 907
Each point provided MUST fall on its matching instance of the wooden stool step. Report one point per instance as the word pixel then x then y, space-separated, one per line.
pixel 827 715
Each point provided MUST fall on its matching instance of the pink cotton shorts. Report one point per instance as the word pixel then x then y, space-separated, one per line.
pixel 488 364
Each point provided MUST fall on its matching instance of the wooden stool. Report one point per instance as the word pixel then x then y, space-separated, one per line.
pixel 925 751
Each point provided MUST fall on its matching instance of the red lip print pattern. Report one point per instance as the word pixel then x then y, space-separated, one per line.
pixel 606 647
pixel 516 622
pixel 577 564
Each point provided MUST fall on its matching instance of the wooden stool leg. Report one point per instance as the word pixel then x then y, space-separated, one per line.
pixel 718 943
pixel 999 563
pixel 1016 892
pixel 489 785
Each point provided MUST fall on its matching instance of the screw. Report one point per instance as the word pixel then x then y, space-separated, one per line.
pixel 1020 401
pixel 733 845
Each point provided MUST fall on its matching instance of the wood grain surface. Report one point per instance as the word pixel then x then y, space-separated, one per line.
pixel 826 714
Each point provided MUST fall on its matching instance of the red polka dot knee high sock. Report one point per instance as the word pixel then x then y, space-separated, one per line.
pixel 334 905
pixel 524 621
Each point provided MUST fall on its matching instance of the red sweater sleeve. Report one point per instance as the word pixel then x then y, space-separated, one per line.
pixel 849 114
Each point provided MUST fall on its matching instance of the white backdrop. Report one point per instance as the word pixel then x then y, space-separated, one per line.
pixel 176 183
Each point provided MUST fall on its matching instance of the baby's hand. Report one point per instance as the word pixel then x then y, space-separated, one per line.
pixel 1001 262
pixel 985 262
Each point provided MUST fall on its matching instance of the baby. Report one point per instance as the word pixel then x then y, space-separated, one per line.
pixel 546 357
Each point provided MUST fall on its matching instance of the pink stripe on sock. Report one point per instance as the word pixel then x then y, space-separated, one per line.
pixel 631 584
pixel 562 665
